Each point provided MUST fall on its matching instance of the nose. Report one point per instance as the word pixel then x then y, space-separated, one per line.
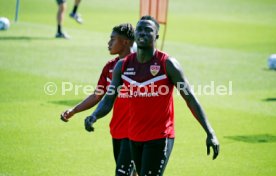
pixel 109 43
pixel 142 33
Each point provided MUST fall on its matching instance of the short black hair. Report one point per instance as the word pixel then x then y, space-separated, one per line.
pixel 148 17
pixel 125 30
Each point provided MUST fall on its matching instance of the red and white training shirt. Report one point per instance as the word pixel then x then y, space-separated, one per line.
pixel 119 122
pixel 150 96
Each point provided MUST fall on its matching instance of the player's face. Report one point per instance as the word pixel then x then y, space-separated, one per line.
pixel 116 44
pixel 145 34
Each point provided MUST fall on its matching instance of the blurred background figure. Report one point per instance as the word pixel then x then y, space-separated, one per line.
pixel 60 17
pixel 272 62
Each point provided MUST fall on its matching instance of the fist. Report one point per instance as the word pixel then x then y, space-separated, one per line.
pixel 66 115
pixel 88 123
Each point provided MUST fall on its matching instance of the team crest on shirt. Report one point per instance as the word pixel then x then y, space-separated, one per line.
pixel 154 69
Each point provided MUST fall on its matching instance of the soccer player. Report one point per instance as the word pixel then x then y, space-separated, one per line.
pixel 149 77
pixel 60 16
pixel 121 41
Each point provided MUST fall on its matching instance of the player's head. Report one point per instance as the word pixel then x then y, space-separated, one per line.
pixel 146 32
pixel 121 39
pixel 150 18
pixel 125 30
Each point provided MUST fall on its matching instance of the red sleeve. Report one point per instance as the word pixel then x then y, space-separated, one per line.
pixel 102 82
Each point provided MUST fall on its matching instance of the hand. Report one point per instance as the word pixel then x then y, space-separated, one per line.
pixel 66 115
pixel 212 141
pixel 88 123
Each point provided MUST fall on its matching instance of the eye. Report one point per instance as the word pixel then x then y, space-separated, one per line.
pixel 138 29
pixel 148 30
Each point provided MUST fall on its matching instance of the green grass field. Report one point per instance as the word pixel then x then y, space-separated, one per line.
pixel 220 41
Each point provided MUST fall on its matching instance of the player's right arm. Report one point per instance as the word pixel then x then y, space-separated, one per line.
pixel 88 103
pixel 107 102
pixel 92 99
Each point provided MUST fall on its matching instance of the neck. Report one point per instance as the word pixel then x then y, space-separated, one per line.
pixel 124 53
pixel 145 54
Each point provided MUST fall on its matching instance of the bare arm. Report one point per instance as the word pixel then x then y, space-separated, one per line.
pixel 88 103
pixel 92 99
pixel 176 75
pixel 107 102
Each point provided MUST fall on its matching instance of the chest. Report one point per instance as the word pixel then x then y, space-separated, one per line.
pixel 142 72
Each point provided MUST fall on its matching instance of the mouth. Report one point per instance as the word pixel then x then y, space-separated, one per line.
pixel 141 39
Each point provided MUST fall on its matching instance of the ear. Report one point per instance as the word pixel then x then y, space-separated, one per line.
pixel 125 42
pixel 157 36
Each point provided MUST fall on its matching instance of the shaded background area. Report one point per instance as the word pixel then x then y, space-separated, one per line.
pixel 261 138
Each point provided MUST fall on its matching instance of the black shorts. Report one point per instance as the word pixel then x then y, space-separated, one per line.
pixel 60 1
pixel 122 156
pixel 151 157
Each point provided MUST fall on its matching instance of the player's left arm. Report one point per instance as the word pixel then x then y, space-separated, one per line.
pixel 175 74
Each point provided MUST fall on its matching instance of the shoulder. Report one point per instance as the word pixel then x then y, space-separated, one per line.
pixel 112 62
pixel 119 64
pixel 130 57
pixel 171 62
pixel 174 70
pixel 161 54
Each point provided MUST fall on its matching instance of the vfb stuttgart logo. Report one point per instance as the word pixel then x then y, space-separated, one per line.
pixel 154 69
